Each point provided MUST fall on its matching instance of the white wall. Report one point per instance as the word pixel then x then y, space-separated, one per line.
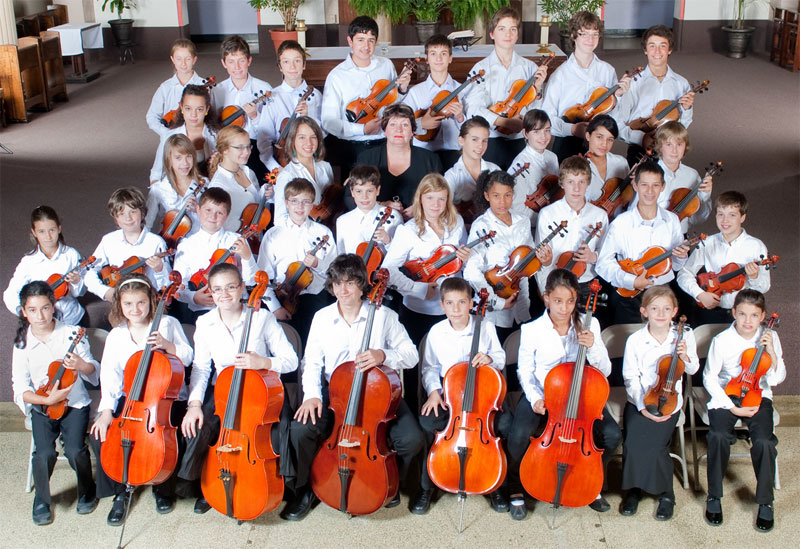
pixel 313 11
pixel 723 9
pixel 27 7
pixel 148 13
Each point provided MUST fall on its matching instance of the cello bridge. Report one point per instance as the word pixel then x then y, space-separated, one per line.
pixel 568 440
pixel 347 444
pixel 229 448
pixel 460 428
pixel 129 418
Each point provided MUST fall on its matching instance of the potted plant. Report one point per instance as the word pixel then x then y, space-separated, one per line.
pixel 288 11
pixel 427 15
pixel 384 12
pixel 468 13
pixel 122 29
pixel 738 35
pixel 561 11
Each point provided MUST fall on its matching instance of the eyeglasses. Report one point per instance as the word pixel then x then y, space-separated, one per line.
pixel 242 147
pixel 592 35
pixel 229 289
pixel 297 202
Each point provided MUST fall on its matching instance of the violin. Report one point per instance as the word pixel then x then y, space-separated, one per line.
pixel 58 283
pixel 618 192
pixel 257 213
pixel 330 203
pixel 563 466
pixel 141 445
pixel 522 263
pixel 467 457
pixel 685 202
pixel 234 114
pixel 664 111
pixel 468 208
pixel 199 279
pixel 547 191
pixel 601 101
pixel 662 398
pixel 731 278
pixel 567 259
pixel 442 100
pixel 383 94
pixel 745 389
pixel 177 223
pixel 111 275
pixel 279 150
pixel 521 94
pixel 297 278
pixel 442 262
pixel 371 252
pixel 65 377
pixel 354 471
pixel 655 261
pixel 240 475
pixel 170 119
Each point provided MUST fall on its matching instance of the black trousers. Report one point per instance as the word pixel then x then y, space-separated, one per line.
pixel 503 151
pixel 702 316
pixel 72 428
pixel 646 463
pixel 307 307
pixel 417 325
pixel 763 450
pixel 564 147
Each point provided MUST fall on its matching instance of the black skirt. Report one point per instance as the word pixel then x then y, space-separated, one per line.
pixel 645 452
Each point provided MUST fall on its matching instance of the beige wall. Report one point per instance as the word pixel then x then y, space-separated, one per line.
pixel 26 7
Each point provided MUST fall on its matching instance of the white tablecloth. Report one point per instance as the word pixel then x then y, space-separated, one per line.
pixel 75 37
pixel 404 52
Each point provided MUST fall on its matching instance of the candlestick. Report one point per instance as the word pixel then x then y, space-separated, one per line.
pixel 301 29
pixel 544 39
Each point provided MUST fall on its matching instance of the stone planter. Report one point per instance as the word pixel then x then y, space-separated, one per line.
pixel 738 40
pixel 426 29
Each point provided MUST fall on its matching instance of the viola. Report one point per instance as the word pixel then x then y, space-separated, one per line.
pixel 199 279
pixel 601 101
pixel 240 475
pixel 521 94
pixel 547 191
pixel 297 278
pixel 279 147
pixel 141 445
pixel 371 252
pixel 382 94
pixel 111 275
pixel 234 114
pixel 655 261
pixel 467 457
pixel 563 466
pixel 664 111
pixel 58 283
pixel 567 259
pixel 745 389
pixel 354 471
pixel 257 213
pixel 618 192
pixel 731 278
pixel 685 202
pixel 522 263
pixel 170 119
pixel 177 223
pixel 442 262
pixel 330 203
pixel 442 100
pixel 65 377
pixel 662 398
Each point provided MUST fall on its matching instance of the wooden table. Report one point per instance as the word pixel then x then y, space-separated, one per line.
pixel 75 37
pixel 322 60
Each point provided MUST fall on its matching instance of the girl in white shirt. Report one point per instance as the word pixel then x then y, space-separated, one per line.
pixel 601 133
pixel 40 340
pixel 50 256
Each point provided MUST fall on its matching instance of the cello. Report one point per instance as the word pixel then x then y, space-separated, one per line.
pixel 745 389
pixel 684 202
pixel 467 457
pixel 170 119
pixel 65 377
pixel 442 100
pixel 382 94
pixel 57 282
pixel 567 259
pixel 664 111
pixel 176 223
pixel 235 115
pixel 442 262
pixel 286 124
pixel 521 94
pixel 199 279
pixel 730 278
pixel 563 466
pixel 111 275
pixel 296 279
pixel 662 398
pixel 601 101
pixel 240 475
pixel 354 471
pixel 371 252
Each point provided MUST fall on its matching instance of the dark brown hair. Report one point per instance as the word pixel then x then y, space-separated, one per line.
pixel 218 196
pixel 319 154
pixel 140 284
pixel 567 279
pixel 754 297
pixel 234 44
pixel 347 267
pixel 364 174
pixel 732 198
pixel 400 111
pixel 45 213
pixel 127 196
pixel 32 289
pixel 658 30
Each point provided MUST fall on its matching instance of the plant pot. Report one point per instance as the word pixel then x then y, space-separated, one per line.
pixel 279 36
pixel 426 29
pixel 566 44
pixel 738 41
pixel 384 29
pixel 122 30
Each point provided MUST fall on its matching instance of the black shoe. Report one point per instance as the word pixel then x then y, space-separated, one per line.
pixel 164 504
pixel 299 507
pixel 766 518
pixel 666 506
pixel 713 511
pixel 201 506
pixel 42 514
pixel 517 508
pixel 498 501
pixel 421 503
pixel 86 505
pixel 630 503
pixel 600 504
pixel 394 502
pixel 117 512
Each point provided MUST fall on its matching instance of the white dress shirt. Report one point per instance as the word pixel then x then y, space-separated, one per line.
pixel 323 176
pixel 462 186
pixel 216 347
pixel 161 198
pixel 483 258
pixel 498 81
pixel 570 85
pixel 37 266
pixel 114 250
pixel 629 236
pixel 578 228
pixel 120 346
pixel 445 347
pixel 209 148
pixel 541 165
pixel 717 253
pixel 406 245
pixel 640 365
pixel 167 98
pixel 29 365
pixel 542 348
pixel 240 197
pixel 346 83
pixel 225 94
pixel 421 97
pixel 357 226
pixel 616 166
pixel 332 341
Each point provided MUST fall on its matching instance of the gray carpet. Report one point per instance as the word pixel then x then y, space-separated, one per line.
pixel 74 156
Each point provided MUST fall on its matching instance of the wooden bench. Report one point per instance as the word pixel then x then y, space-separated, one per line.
pixel 53 66
pixel 22 78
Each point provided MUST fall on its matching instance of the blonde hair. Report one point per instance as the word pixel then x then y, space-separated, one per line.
pixel 671 130
pixel 183 145
pixel 654 292
pixel 434 182
pixel 224 141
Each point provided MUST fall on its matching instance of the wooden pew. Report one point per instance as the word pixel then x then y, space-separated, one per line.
pixel 22 78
